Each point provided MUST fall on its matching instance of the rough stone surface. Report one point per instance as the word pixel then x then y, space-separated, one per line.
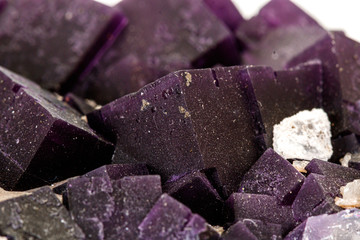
pixel 186 121
pixel 107 209
pixel 281 94
pixel 43 140
pixel 274 176
pixel 342 225
pixel 37 216
pixel 261 207
pixel 316 196
pixel 51 42
pixel 305 135
pixel 170 219
pixel 332 170
pixel 350 195
pixel 196 192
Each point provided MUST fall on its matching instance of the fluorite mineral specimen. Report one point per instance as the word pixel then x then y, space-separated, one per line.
pixel 53 42
pixel 185 121
pixel 170 35
pixel 40 137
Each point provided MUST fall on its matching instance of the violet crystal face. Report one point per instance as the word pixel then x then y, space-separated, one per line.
pixel 107 209
pixel 185 121
pixel 274 176
pixel 170 35
pixel 42 140
pixel 53 42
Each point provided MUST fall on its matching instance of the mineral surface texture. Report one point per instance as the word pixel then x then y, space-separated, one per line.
pixel 274 176
pixel 342 225
pixel 281 94
pixel 305 135
pixel 316 196
pixel 261 207
pixel 42 140
pixel 37 216
pixel 170 35
pixel 107 209
pixel 170 219
pixel 52 42
pixel 279 32
pixel 185 121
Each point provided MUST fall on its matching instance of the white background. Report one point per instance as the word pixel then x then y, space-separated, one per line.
pixel 332 14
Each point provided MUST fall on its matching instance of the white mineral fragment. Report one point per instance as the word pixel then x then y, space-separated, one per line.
pixel 305 135
pixel 351 195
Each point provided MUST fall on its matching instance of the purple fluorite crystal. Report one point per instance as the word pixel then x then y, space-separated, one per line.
pixel 341 65
pixel 196 192
pixel 170 35
pixel 42 140
pixel 317 196
pixel 274 176
pixel 107 209
pixel 185 121
pixel 226 11
pixel 259 230
pixel 332 170
pixel 52 42
pixel 261 207
pixel 169 219
pixel 281 94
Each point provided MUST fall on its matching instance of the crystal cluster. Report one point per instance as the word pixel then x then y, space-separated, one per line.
pixel 211 127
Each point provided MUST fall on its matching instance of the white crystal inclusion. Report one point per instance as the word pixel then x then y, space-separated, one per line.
pixel 305 135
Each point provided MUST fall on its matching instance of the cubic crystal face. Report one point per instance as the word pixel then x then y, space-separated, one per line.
pixel 306 135
pixel 204 122
pixel 274 176
pixel 40 137
pixel 51 42
pixel 171 35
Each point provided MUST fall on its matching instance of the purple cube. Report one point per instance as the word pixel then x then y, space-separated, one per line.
pixel 170 35
pixel 340 57
pixel 261 207
pixel 169 219
pixel 274 176
pixel 56 42
pixel 258 229
pixel 37 216
pixel 43 140
pixel 281 94
pixel 186 121
pixel 196 192
pixel 317 196
pixel 332 170
pixel 118 171
pixel 107 209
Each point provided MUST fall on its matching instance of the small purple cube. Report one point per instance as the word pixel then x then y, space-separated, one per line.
pixel 274 176
pixel 170 219
pixel 317 196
